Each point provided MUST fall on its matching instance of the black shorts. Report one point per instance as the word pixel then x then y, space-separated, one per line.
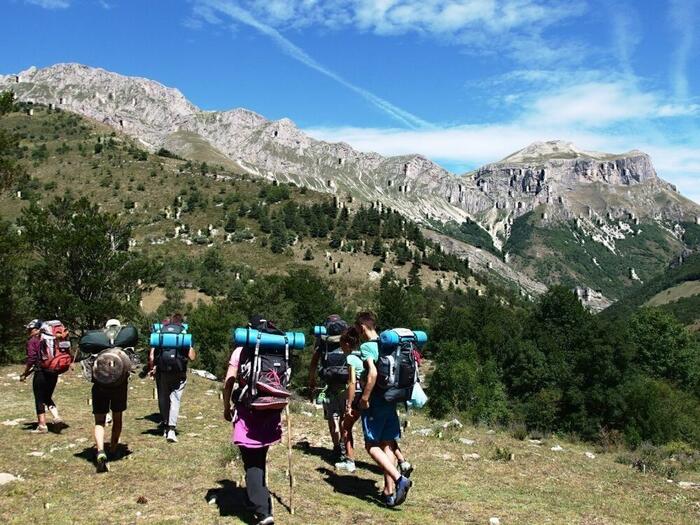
pixel 111 398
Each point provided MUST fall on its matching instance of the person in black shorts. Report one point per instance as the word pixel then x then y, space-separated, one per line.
pixel 106 398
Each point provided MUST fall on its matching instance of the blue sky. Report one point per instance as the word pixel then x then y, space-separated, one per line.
pixel 462 81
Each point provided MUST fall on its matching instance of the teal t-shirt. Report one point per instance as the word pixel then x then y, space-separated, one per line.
pixel 353 360
pixel 369 350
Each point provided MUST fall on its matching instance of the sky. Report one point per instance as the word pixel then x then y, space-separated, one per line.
pixel 463 82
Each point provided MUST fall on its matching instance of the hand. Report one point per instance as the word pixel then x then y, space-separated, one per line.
pixel 364 403
pixel 152 372
pixel 227 414
pixel 22 378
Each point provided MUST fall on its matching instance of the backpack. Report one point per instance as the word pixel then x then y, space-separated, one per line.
pixel 264 370
pixel 172 343
pixel 333 367
pixel 95 341
pixel 55 347
pixel 397 369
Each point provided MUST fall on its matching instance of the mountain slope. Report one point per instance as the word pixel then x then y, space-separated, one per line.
pixel 606 198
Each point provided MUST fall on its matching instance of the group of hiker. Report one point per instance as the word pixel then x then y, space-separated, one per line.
pixel 364 374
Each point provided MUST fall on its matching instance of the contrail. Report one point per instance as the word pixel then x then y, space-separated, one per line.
pixel 294 51
pixel 682 17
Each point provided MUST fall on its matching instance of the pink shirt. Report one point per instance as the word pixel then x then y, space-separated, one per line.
pixel 253 428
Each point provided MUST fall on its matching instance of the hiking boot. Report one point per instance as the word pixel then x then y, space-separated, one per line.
pixel 267 520
pixel 269 403
pixel 101 461
pixel 346 464
pixel 40 429
pixel 402 486
pixel 171 437
pixel 270 384
pixel 406 469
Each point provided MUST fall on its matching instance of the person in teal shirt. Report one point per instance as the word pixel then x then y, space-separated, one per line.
pixel 349 343
pixel 380 421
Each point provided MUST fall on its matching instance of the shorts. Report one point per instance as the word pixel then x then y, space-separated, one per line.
pixel 334 405
pixel 380 422
pixel 105 399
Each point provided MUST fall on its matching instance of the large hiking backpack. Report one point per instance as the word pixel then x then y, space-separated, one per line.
pixel 332 367
pixel 264 369
pixel 397 370
pixel 172 343
pixel 55 347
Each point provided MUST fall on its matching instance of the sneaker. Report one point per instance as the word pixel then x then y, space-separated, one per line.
pixel 270 384
pixel 171 437
pixel 267 520
pixel 346 464
pixel 40 429
pixel 390 500
pixel 102 464
pixel 406 469
pixel 402 486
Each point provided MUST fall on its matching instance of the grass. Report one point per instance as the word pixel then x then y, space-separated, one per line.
pixel 683 290
pixel 175 482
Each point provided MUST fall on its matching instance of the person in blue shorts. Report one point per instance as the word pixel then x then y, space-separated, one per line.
pixel 380 421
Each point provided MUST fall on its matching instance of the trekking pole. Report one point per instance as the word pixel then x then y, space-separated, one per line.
pixel 289 459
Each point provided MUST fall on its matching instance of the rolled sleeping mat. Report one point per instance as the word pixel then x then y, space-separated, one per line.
pixel 157 327
pixel 165 340
pixel 94 341
pixel 319 331
pixel 392 337
pixel 111 367
pixel 249 337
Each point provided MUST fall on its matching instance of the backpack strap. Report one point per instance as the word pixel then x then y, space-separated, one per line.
pixel 255 369
pixel 288 370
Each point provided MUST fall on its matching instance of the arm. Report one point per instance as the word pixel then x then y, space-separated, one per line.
pixel 151 361
pixel 32 359
pixel 312 373
pixel 351 387
pixel 228 389
pixel 191 355
pixel 371 380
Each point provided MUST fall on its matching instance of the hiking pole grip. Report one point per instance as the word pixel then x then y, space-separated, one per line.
pixel 289 459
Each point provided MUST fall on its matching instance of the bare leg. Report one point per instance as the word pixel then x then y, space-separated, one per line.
pixel 41 419
pixel 386 462
pixel 333 429
pixel 100 431
pixel 116 431
pixel 397 452
pixel 348 423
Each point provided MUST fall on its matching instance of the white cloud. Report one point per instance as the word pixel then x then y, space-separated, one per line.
pixel 244 17
pixel 50 4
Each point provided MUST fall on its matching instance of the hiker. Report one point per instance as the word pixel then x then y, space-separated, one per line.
pixel 44 382
pixel 256 418
pixel 329 362
pixel 109 372
pixel 349 343
pixel 380 421
pixel 168 364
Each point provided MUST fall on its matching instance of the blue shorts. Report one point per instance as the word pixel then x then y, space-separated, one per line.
pixel 380 422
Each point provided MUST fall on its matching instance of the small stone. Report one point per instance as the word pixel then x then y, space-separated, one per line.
pixel 453 423
pixel 138 513
pixel 192 434
pixel 141 500
pixel 688 485
pixel 8 478
pixel 494 521
pixel 183 417
pixel 556 448
pixel 47 505
pixel 535 441
pixel 12 422
pixel 423 432
pixel 36 454
pixel 473 455
pixel 307 414
pixel 199 417
pixel 491 431
pixel 466 441
pixel 589 455
pixel 81 440
pixel 212 500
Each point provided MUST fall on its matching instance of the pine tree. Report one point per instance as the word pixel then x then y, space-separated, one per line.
pixel 308 255
pixel 414 280
pixel 377 247
pixel 231 223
